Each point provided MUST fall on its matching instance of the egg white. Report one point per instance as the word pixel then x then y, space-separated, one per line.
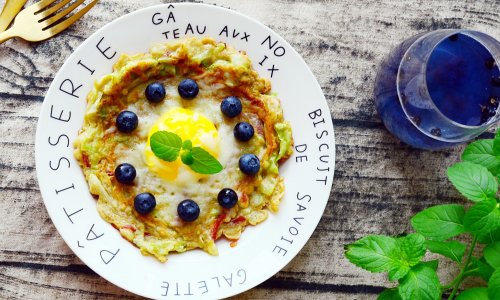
pixel 187 185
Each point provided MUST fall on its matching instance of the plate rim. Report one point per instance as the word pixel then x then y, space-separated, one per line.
pixel 44 193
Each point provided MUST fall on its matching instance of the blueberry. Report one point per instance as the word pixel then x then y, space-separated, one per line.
pixel 494 101
pixel 249 164
pixel 490 63
pixel 188 210
pixel 436 132
pixel 188 89
pixel 127 121
pixel 243 131
pixel 125 173
pixel 416 120
pixel 231 106
pixel 491 111
pixel 155 92
pixel 227 198
pixel 144 203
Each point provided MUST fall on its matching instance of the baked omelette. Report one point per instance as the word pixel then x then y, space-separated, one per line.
pixel 153 89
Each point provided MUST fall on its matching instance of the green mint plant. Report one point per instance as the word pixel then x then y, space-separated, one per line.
pixel 436 230
pixel 167 146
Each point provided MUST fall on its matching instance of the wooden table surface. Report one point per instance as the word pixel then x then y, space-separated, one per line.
pixel 379 182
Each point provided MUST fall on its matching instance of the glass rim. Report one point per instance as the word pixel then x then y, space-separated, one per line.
pixel 479 39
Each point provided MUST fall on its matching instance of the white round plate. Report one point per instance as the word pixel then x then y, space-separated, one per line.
pixel 263 250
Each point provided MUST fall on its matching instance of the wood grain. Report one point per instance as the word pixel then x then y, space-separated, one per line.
pixel 379 182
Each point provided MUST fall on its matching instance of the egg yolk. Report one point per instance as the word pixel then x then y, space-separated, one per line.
pixel 189 125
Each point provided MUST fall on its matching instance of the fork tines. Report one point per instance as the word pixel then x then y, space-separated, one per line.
pixel 54 21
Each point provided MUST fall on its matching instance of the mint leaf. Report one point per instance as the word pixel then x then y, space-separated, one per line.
pixel 492 255
pixel 494 285
pixel 490 236
pixel 439 222
pixel 187 157
pixel 433 264
pixel 165 145
pixel 481 153
pixel 452 249
pixel 421 283
pixel 473 181
pixel 483 217
pixel 389 294
pixel 398 272
pixel 378 253
pixel 204 162
pixel 187 145
pixel 374 253
pixel 496 143
pixel 479 293
pixel 412 248
pixel 479 268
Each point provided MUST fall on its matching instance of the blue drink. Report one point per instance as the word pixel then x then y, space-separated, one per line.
pixel 441 88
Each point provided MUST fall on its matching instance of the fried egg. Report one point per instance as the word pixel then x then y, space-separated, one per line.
pixel 189 125
pixel 220 71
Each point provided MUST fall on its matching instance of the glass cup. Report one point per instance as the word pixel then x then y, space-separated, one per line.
pixel 441 88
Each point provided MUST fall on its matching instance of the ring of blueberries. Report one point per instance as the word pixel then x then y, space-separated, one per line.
pixel 188 210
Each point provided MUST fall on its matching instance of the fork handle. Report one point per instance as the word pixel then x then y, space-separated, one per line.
pixel 6 35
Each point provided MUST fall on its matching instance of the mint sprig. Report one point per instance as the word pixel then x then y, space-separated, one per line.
pixel 437 229
pixel 168 146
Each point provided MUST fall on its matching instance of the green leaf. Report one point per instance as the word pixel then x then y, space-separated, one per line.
pixel 473 181
pixel 412 248
pixel 483 217
pixel 433 264
pixel 187 157
pixel 490 236
pixel 398 271
pixel 187 145
pixel 421 283
pixel 452 249
pixel 165 145
pixel 479 268
pixel 407 252
pixel 439 222
pixel 481 153
pixel 492 255
pixel 478 293
pixel 494 285
pixel 496 143
pixel 203 162
pixel 389 294
pixel 374 253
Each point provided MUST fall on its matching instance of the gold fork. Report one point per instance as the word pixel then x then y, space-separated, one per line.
pixel 35 23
